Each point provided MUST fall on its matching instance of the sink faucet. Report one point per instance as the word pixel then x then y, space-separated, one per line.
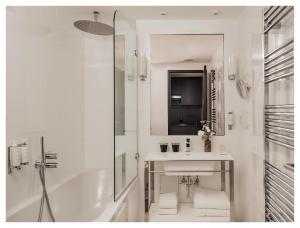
pixel 188 145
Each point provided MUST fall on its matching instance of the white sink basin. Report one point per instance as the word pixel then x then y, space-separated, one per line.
pixel 189 168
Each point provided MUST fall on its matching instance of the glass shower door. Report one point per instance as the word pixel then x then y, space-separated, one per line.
pixel 125 104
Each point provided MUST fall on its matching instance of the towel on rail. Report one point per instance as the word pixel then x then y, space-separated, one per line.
pixel 211 213
pixel 168 201
pixel 210 199
pixel 167 211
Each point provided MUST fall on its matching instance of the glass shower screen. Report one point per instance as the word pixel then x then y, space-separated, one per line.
pixel 125 104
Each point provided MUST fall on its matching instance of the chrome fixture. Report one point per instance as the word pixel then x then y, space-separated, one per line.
pixel 13 150
pixel 42 165
pixel 94 27
pixel 189 181
pixel 279 122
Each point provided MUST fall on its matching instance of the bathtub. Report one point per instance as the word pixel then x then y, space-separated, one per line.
pixel 83 198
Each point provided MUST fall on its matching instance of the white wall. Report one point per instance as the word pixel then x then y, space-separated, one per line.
pixel 231 142
pixel 250 56
pixel 44 98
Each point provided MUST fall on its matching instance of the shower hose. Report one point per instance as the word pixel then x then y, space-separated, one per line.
pixel 44 197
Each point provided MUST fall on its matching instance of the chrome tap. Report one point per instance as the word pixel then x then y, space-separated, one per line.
pixel 45 157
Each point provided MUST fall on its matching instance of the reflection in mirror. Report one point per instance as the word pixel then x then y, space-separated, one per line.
pixel 125 104
pixel 187 84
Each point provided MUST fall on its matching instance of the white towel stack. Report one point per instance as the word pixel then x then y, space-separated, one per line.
pixel 211 203
pixel 168 203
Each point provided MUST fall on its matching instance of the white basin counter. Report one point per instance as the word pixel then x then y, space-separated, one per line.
pixel 188 156
pixel 178 164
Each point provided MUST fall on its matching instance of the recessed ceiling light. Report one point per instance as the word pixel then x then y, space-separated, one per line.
pixel 216 13
pixel 163 13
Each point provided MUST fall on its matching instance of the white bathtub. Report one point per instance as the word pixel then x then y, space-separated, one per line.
pixel 81 199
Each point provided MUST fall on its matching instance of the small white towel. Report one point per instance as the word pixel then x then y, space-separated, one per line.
pixel 168 201
pixel 211 213
pixel 167 211
pixel 210 199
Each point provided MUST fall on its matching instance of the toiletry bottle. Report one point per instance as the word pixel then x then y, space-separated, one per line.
pixel 188 145
pixel 24 152
pixel 15 155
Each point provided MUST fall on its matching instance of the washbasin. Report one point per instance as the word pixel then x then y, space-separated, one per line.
pixel 189 164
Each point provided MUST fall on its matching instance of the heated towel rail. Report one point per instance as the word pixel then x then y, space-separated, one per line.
pixel 279 118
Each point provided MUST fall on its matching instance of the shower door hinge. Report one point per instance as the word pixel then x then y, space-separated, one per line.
pixel 137 156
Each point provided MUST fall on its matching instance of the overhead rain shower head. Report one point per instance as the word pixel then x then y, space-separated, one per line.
pixel 94 27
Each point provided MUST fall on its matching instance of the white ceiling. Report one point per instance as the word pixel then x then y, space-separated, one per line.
pixel 183 48
pixel 180 12
pixel 135 12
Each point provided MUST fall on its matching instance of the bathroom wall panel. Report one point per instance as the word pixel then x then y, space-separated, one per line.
pixel 44 97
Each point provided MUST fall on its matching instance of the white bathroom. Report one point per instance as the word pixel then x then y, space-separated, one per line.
pixel 148 112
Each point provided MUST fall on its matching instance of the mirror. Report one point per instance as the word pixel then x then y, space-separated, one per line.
pixel 125 102
pixel 187 84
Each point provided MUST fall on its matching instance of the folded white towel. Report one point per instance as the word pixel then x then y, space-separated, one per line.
pixel 211 213
pixel 210 199
pixel 167 211
pixel 168 200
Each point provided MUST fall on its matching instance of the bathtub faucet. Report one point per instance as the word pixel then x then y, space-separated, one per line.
pixel 45 157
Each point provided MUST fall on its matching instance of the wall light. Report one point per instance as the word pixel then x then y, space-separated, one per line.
pixel 232 67
pixel 143 67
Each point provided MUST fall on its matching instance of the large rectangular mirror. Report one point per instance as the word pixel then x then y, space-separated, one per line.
pixel 187 84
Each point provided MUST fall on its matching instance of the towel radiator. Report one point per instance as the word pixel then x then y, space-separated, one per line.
pixel 279 113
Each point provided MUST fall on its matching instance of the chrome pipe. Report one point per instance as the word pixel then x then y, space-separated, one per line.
pixel 275 204
pixel 279 106
pixel 282 204
pixel 280 113
pixel 289 50
pixel 278 214
pixel 279 121
pixel 290 57
pixel 268 10
pixel 273 216
pixel 288 146
pixel 272 189
pixel 287 197
pixel 274 9
pixel 283 13
pixel 279 48
pixel 280 70
pixel 279 77
pixel 271 127
pixel 273 176
pixel 279 135
pixel 279 171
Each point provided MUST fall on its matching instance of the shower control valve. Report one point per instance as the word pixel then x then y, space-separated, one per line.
pixel 51 155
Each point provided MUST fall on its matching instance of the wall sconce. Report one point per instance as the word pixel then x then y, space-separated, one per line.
pixel 230 120
pixel 143 67
pixel 232 67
